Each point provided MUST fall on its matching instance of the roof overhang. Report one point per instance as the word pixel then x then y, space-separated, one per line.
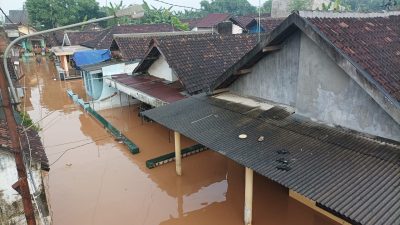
pixel 340 170
pixel 294 23
pixel 148 89
pixel 68 50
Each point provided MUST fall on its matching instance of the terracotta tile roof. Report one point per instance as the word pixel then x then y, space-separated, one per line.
pixel 78 37
pixel 105 38
pixel 270 23
pixel 38 153
pixel 243 21
pixel 192 22
pixel 212 19
pixel 135 47
pixel 372 42
pixel 199 61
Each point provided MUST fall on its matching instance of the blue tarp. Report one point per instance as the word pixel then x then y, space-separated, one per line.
pixel 90 57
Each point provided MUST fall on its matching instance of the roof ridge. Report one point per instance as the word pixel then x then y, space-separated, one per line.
pixel 321 14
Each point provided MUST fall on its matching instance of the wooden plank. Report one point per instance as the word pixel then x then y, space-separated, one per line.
pixel 271 48
pixel 310 203
pixel 242 72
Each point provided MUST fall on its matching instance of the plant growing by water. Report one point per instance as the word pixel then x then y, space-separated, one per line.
pixel 27 122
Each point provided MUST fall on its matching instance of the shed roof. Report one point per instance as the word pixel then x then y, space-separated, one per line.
pixel 354 177
pixel 105 38
pixel 156 87
pixel 199 60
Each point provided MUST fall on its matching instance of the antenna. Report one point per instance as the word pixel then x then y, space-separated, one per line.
pixel 259 20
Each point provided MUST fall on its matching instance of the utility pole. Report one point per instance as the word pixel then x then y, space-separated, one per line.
pixel 21 186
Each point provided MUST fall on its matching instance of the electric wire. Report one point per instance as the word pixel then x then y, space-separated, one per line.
pixel 75 147
pixel 181 6
pixel 6 16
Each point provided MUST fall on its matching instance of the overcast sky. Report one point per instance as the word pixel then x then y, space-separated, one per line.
pixel 17 4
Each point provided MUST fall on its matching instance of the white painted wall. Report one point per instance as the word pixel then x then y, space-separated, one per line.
pixel 236 29
pixel 9 198
pixel 161 69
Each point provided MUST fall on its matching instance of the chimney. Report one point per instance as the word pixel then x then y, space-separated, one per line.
pixel 225 28
pixel 280 8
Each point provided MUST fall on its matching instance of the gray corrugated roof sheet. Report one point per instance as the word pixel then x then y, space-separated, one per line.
pixel 353 176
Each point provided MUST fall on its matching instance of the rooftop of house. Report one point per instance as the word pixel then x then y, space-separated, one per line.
pixel 135 46
pixel 104 38
pixel 268 24
pixel 191 22
pixel 17 17
pixel 212 20
pixel 371 42
pixel 243 21
pixel 199 60
pixel 34 144
pixel 74 37
pixel 365 45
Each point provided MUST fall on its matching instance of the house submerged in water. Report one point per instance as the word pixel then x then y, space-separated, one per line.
pixel 315 107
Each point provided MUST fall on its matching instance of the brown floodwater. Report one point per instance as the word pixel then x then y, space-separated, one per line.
pixel 96 180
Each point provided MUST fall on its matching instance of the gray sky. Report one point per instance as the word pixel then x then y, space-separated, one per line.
pixel 17 4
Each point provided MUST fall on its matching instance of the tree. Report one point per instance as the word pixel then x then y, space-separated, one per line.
pixel 266 7
pixel 161 15
pixel 235 7
pixel 46 14
pixel 300 5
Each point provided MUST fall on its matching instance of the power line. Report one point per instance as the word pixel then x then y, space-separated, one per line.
pixel 69 149
pixel 181 6
pixel 6 16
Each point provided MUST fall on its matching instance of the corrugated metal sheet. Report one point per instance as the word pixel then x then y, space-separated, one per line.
pixel 352 176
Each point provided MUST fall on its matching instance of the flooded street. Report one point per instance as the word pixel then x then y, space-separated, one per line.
pixel 93 179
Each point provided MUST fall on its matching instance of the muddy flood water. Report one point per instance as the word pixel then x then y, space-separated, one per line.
pixel 93 179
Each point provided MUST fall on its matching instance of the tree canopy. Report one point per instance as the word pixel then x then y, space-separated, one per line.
pixel 235 7
pixel 46 14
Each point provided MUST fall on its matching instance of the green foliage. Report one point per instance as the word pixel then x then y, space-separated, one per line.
pixel 300 5
pixel 371 5
pixel 28 122
pixel 46 14
pixel 154 15
pixel 235 7
pixel 266 7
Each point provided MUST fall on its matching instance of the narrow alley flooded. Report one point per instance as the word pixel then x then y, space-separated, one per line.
pixel 93 179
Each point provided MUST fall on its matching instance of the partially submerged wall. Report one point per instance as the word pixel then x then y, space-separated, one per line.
pixel 11 208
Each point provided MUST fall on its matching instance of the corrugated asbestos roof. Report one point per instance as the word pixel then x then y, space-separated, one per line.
pixel 355 177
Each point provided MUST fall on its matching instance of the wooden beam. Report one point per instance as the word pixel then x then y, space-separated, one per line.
pixel 248 198
pixel 271 48
pixel 312 204
pixel 242 72
pixel 178 155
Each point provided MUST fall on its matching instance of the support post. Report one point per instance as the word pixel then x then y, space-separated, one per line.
pixel 248 201
pixel 178 155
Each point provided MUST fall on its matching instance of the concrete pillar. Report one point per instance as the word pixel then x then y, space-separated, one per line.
pixel 248 198
pixel 178 156
pixel 64 63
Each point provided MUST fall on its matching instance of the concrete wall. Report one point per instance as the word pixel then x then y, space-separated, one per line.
pixel 274 77
pixel 325 92
pixel 280 8
pixel 303 76
pixel 161 69
pixel 11 208
pixel 236 29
